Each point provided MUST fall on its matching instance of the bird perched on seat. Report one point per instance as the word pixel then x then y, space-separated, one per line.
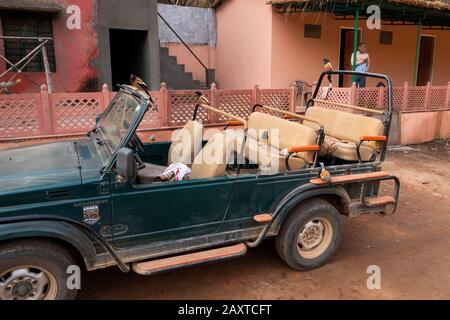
pixel 202 99
pixel 5 85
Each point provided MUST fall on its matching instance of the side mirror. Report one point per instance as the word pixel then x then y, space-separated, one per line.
pixel 126 165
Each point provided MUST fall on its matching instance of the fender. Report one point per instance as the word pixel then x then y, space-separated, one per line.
pixel 52 230
pixel 303 193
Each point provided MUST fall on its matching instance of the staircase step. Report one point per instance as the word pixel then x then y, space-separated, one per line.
pixel 155 266
pixel 175 74
pixel 164 50
pixel 380 201
pixel 350 178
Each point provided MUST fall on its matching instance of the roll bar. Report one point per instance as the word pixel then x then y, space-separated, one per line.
pixel 387 115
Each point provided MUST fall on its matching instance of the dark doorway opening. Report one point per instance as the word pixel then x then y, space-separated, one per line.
pixel 128 55
pixel 426 60
pixel 345 54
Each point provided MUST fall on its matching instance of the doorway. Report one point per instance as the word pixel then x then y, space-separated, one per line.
pixel 129 55
pixel 345 53
pixel 426 60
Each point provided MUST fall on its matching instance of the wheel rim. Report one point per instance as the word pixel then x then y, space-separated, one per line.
pixel 314 238
pixel 28 283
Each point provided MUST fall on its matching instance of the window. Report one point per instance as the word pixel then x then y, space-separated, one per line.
pixel 313 31
pixel 27 24
pixel 385 37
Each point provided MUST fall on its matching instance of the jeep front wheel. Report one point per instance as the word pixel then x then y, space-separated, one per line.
pixel 34 270
pixel 310 235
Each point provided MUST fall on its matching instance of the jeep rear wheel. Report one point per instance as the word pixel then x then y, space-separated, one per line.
pixel 310 235
pixel 34 270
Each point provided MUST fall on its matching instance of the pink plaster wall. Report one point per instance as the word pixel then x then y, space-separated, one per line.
pixel 206 54
pixel 433 125
pixel 284 54
pixel 296 57
pixel 244 38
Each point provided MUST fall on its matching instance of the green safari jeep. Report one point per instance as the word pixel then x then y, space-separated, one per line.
pixel 101 200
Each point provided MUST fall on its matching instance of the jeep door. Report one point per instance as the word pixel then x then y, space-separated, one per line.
pixel 169 210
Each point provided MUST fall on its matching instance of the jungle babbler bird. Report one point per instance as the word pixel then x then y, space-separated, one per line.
pixel 138 83
pixel 325 174
pixel 202 99
pixel 328 67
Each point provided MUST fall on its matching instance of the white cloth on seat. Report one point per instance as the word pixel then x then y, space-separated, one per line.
pixel 177 172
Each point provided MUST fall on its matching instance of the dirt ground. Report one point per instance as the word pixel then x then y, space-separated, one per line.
pixel 412 248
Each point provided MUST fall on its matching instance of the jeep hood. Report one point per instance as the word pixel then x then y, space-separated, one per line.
pixel 39 166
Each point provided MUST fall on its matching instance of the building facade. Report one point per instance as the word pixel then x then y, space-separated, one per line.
pixel 259 42
pixel 111 39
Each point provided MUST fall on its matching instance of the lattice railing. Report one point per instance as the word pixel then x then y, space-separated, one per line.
pixel 416 99
pixel 340 95
pixel 405 98
pixel 181 107
pixel 438 96
pixel 44 114
pixel 397 98
pixel 369 98
pixel 75 114
pixel 276 98
pixel 20 115
pixel 237 102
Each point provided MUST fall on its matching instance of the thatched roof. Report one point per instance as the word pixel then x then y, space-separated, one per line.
pixel 195 3
pixel 428 4
pixel 433 13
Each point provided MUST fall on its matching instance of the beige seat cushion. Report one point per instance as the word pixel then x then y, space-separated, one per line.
pixel 264 128
pixel 268 158
pixel 346 126
pixel 345 150
pixel 212 160
pixel 186 143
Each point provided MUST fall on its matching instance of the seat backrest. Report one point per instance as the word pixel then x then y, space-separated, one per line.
pixel 212 160
pixel 184 148
pixel 290 134
pixel 345 125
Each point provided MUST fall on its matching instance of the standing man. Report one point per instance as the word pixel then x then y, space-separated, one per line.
pixel 362 64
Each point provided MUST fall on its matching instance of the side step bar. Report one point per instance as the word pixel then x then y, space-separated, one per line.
pixel 154 266
pixel 376 204
pixel 350 178
pixel 380 201
pixel 366 204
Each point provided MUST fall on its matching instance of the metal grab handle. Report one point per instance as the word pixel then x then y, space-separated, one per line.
pixel 229 115
pixel 338 104
pixel 293 115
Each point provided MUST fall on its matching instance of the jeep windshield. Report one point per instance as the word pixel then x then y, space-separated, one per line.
pixel 115 123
